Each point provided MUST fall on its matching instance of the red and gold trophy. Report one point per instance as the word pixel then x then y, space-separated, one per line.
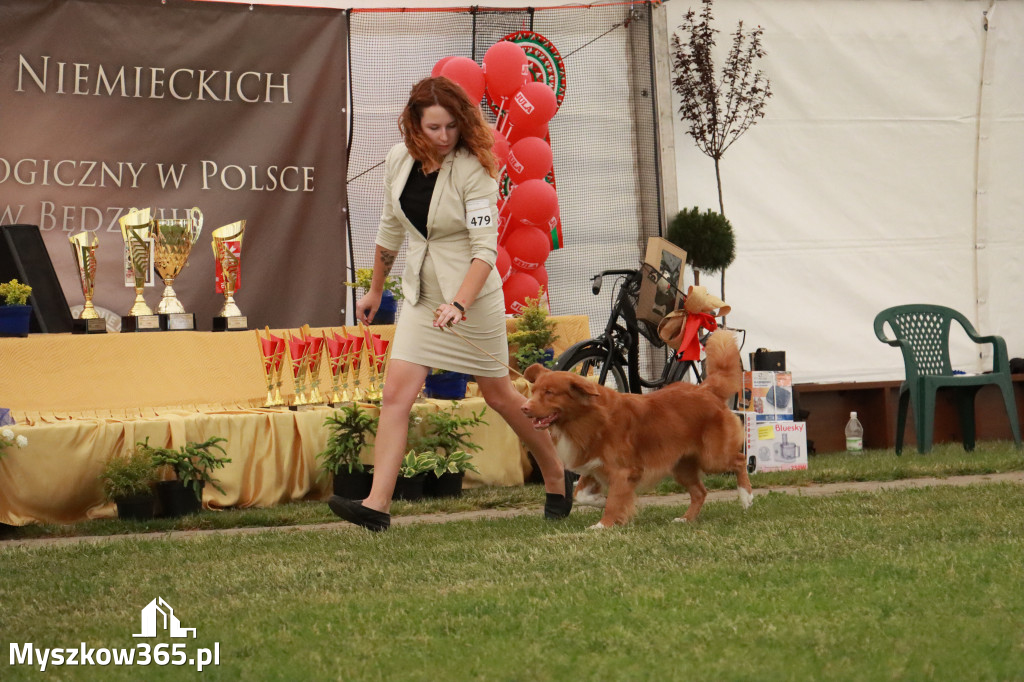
pixel 272 350
pixel 298 351
pixel 376 350
pixel 337 355
pixel 227 255
pixel 315 347
pixel 355 362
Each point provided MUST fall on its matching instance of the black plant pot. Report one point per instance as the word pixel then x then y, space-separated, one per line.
pixel 409 488
pixel 354 486
pixel 7 530
pixel 138 507
pixel 448 485
pixel 175 499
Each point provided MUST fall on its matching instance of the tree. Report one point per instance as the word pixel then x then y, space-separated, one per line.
pixel 719 110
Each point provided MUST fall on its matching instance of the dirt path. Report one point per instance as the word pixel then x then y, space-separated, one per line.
pixel 813 490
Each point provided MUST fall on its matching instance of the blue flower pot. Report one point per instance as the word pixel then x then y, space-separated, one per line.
pixel 446 386
pixel 386 311
pixel 14 320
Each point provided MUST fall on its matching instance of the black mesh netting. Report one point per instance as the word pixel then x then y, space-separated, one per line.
pixel 603 137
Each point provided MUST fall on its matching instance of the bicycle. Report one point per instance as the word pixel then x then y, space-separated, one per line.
pixel 614 356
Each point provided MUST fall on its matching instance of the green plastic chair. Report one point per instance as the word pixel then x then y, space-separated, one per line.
pixel 922 333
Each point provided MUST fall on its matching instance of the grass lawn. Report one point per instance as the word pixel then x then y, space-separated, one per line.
pixel 917 584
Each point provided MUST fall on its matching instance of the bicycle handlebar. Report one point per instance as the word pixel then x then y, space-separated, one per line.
pixel 599 278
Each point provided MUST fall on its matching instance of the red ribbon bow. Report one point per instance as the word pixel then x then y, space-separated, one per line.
pixel 689 345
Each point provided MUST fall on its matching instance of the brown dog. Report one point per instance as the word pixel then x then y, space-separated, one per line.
pixel 628 442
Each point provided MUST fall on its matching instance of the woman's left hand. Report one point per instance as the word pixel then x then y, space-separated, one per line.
pixel 447 315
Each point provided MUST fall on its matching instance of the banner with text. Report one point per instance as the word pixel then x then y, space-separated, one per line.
pixel 107 105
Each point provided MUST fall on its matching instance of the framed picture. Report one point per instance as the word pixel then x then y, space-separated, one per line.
pixel 661 290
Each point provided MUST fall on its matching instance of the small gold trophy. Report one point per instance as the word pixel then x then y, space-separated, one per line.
pixel 84 251
pixel 137 231
pixel 174 238
pixel 355 355
pixel 227 252
pixel 299 352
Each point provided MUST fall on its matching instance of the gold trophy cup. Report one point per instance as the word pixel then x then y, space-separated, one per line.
pixel 174 239
pixel 84 251
pixel 136 229
pixel 230 267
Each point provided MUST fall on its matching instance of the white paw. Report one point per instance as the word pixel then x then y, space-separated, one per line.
pixel 746 498
pixel 590 499
pixel 598 526
pixel 680 520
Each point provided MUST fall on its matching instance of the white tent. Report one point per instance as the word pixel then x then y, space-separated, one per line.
pixel 889 169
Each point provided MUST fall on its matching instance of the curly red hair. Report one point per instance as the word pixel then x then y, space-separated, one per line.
pixel 474 134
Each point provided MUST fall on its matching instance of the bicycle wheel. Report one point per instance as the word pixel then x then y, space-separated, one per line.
pixel 589 362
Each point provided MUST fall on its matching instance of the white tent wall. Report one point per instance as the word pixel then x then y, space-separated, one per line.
pixel 884 173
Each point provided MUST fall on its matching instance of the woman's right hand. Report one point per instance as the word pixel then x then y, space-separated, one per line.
pixel 366 306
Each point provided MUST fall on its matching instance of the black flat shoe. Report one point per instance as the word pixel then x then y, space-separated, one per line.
pixel 558 506
pixel 353 511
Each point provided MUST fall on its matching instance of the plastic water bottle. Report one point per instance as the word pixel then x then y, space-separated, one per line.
pixel 854 434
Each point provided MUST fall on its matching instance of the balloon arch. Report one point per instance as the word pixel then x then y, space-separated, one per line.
pixel 523 81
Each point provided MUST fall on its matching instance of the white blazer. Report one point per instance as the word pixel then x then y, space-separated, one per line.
pixel 462 222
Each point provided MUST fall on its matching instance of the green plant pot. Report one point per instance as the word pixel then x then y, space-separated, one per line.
pixel 138 508
pixel 355 485
pixel 448 485
pixel 175 499
pixel 410 489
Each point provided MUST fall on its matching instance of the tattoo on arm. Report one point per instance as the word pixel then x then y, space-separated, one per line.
pixel 387 260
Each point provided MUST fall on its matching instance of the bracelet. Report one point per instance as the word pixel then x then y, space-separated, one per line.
pixel 459 306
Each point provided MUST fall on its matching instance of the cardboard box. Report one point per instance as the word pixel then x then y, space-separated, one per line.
pixel 661 288
pixel 769 395
pixel 775 446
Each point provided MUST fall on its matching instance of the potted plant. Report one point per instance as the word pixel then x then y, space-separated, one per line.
pixel 534 334
pixel 411 475
pixel 191 465
pixel 388 300
pixel 350 426
pixel 128 481
pixel 15 313
pixel 707 239
pixel 442 384
pixel 447 442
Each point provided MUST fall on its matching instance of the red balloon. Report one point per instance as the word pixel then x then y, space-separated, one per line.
pixel 541 275
pixel 529 159
pixel 505 69
pixel 500 147
pixel 468 74
pixel 503 264
pixel 533 201
pixel 517 288
pixel 521 132
pixel 533 105
pixel 528 247
pixel 436 71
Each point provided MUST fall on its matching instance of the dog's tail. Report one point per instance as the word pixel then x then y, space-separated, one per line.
pixel 724 366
